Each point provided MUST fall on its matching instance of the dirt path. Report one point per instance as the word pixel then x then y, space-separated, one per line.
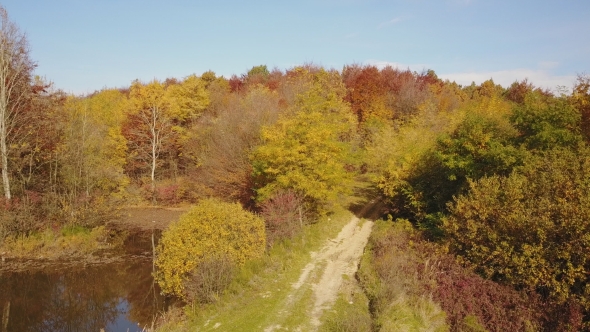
pixel 338 257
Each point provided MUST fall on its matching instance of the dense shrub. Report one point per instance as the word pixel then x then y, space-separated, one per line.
pixel 412 283
pixel 530 230
pixel 470 300
pixel 430 161
pixel 480 145
pixel 16 218
pixel 169 194
pixel 209 279
pixel 212 228
pixel 283 215
pixel 546 124
pixel 35 212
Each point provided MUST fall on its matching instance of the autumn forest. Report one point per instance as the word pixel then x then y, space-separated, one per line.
pixel 491 181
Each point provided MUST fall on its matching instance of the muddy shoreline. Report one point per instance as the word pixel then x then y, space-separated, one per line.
pixel 146 218
pixel 135 224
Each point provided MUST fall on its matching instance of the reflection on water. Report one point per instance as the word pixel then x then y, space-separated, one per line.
pixel 115 297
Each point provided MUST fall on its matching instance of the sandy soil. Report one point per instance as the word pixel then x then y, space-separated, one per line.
pixel 342 256
pixel 338 257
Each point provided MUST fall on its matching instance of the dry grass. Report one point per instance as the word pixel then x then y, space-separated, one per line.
pixel 413 285
pixel 70 242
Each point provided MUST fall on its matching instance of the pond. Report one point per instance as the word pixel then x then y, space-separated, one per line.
pixel 117 296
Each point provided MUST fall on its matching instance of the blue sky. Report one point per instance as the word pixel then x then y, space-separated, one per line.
pixel 84 46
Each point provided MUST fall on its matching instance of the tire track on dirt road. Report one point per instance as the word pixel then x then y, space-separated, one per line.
pixel 338 257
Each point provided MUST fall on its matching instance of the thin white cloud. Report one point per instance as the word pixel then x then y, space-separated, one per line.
pixel 351 35
pixel 548 64
pixel 390 22
pixel 542 78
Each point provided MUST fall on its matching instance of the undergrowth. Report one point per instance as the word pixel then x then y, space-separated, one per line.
pixel 258 295
pixel 414 285
pixel 70 241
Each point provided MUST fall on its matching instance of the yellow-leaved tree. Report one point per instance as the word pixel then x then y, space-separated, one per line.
pixel 149 124
pixel 92 154
pixel 309 148
pixel 158 116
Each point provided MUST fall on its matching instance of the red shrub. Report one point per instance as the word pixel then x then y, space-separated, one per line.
pixel 407 264
pixel 283 214
pixel 462 293
pixel 169 194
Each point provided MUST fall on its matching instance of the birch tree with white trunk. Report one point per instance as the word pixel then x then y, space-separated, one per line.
pixel 153 125
pixel 15 77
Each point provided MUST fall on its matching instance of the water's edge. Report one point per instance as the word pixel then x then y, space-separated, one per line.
pixel 114 292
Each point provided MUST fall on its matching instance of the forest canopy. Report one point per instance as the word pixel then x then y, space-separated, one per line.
pixel 498 175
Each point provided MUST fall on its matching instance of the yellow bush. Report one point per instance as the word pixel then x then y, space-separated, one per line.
pixel 212 228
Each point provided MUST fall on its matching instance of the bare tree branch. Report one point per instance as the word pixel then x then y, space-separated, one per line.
pixel 15 77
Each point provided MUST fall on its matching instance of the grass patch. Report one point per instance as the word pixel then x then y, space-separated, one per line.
pixel 350 312
pixel 261 294
pixel 70 242
pixel 71 231
pixel 389 279
pixel 413 314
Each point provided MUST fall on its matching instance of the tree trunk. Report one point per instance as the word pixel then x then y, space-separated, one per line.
pixel 5 316
pixel 4 154
pixel 155 151
pixel 153 174
pixel 15 75
pixel 4 118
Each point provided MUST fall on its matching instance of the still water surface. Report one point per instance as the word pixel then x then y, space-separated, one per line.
pixel 120 296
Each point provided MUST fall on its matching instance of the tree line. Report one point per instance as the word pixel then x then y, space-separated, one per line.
pixel 499 175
